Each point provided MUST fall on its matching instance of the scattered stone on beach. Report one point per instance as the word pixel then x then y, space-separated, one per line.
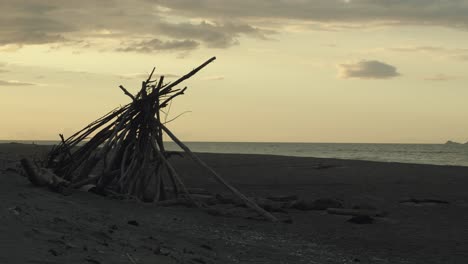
pixel 206 247
pixel 54 252
pixel 133 223
pixel 361 220
pixel 198 260
pixel 91 260
pixel 218 212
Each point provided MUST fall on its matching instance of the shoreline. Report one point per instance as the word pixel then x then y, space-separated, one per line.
pixel 289 154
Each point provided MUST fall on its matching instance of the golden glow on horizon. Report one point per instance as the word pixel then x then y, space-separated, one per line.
pixel 284 90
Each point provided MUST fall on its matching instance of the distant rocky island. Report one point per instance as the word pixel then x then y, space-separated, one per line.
pixel 453 143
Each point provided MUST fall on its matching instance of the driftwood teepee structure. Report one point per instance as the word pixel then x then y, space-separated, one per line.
pixel 125 150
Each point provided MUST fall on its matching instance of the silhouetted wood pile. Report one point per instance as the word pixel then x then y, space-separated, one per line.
pixel 123 152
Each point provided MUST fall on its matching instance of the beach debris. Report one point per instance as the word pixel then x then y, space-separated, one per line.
pixel 283 198
pixel 270 206
pixel 321 166
pixel 177 202
pixel 123 152
pixel 319 204
pixel 112 228
pixel 198 260
pixel 54 252
pixel 34 176
pixel 133 223
pixel 92 260
pixel 12 169
pixel 156 249
pixel 364 207
pixel 16 210
pixel 206 247
pixel 356 212
pixel 132 260
pixel 88 188
pixel 414 201
pixel 361 220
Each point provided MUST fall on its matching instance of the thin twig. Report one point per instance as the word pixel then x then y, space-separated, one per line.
pixel 67 149
pixel 131 259
pixel 151 75
pixel 127 92
pixel 179 115
pixel 167 113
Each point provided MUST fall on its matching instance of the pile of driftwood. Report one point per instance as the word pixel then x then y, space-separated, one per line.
pixel 123 151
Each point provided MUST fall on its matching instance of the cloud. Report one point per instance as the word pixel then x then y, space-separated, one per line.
pixel 439 77
pixel 452 53
pixel 212 34
pixel 367 69
pixel 2 68
pixel 393 12
pixel 31 30
pixel 148 46
pixel 183 25
pixel 129 76
pixel 15 83
pixel 147 26
pixel 418 49
pixel 213 78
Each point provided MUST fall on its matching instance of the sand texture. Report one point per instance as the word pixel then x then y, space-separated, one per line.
pixel 422 216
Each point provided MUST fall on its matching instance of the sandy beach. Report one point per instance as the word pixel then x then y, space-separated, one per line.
pixel 425 216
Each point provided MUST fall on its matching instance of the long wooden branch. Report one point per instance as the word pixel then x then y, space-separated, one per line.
pixel 188 75
pixel 195 158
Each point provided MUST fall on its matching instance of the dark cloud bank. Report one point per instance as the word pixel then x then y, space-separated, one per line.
pixel 183 25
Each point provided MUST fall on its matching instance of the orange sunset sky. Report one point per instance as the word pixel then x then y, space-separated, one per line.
pixel 287 71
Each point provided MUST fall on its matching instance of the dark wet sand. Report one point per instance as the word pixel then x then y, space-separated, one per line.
pixel 39 226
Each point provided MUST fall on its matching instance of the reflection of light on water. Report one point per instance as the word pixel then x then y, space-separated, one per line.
pixel 407 153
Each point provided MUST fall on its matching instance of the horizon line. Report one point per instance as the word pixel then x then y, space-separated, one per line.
pixel 265 142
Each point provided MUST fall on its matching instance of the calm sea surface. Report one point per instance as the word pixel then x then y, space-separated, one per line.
pixel 439 154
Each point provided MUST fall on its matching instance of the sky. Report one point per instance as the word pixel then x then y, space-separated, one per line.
pixel 362 71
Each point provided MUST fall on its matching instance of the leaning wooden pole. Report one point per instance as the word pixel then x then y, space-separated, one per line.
pixel 195 158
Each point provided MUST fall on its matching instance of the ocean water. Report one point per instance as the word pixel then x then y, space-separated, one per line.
pixel 438 154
